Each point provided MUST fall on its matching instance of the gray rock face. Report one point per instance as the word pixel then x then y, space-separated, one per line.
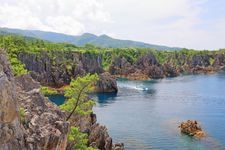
pixel 147 60
pixel 58 70
pixel 219 60
pixel 170 71
pixel 11 132
pixel 44 123
pixel 147 66
pixel 44 127
pixel 200 60
pixel 120 66
pixel 98 136
pixel 106 83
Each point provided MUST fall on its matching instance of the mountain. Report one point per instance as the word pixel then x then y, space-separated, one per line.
pixel 86 38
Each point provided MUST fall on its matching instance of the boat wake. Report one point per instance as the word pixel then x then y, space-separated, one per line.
pixel 134 87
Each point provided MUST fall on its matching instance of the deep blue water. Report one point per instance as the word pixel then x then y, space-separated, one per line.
pixel 146 114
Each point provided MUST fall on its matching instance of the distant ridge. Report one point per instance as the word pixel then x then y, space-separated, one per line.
pixel 86 38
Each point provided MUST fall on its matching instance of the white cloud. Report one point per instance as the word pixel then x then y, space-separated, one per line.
pixel 168 22
pixel 66 16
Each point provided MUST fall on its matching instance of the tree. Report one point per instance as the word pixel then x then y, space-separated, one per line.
pixel 76 94
pixel 79 139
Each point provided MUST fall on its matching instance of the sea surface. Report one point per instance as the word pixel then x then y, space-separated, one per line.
pixel 145 115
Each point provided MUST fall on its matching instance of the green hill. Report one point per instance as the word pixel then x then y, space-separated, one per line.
pixel 86 38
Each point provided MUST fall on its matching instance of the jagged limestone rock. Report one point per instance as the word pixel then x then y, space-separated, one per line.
pixel 11 132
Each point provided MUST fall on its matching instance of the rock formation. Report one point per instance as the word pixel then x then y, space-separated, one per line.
pixel 44 123
pixel 192 128
pixel 106 83
pixel 42 126
pixel 11 131
pixel 57 69
pixel 98 136
pixel 147 66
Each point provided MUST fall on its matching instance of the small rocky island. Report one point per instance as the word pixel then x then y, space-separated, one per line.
pixel 192 128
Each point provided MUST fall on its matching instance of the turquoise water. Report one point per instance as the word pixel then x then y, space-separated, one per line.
pixel 146 114
pixel 57 99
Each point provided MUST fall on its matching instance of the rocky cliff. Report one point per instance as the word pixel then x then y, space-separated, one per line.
pixel 11 131
pixel 57 69
pixel 43 122
pixel 106 83
pixel 147 66
pixel 41 125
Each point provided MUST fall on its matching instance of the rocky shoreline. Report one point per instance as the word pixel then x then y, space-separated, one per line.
pixel 55 73
pixel 43 125
pixel 148 67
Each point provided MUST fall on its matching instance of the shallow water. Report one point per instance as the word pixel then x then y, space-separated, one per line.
pixel 146 114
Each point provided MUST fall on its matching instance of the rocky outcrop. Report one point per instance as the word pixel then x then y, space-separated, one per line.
pixel 11 131
pixel 192 128
pixel 147 66
pixel 98 136
pixel 106 83
pixel 57 69
pixel 120 66
pixel 170 71
pixel 42 126
pixel 44 123
pixel 202 60
pixel 219 60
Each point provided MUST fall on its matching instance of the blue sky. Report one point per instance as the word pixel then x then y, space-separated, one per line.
pixel 197 24
pixel 213 9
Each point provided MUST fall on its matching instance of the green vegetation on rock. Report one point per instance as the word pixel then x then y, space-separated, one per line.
pixel 17 67
pixel 79 139
pixel 48 91
pixel 22 114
